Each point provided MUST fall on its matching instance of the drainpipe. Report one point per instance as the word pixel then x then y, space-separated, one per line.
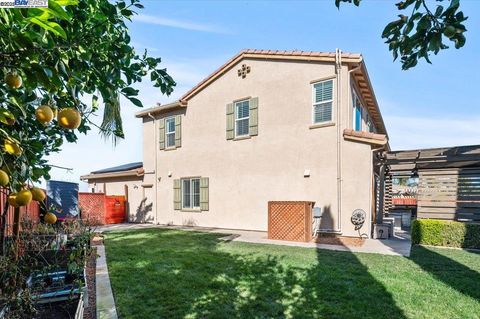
pixel 156 164
pixel 338 70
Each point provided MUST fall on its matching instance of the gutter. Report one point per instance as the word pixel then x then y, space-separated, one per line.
pixel 156 163
pixel 161 108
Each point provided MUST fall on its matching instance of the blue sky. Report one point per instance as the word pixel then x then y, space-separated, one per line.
pixel 428 106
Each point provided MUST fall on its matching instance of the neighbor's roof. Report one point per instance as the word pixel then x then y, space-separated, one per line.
pixel 124 167
pixel 130 169
pixel 356 59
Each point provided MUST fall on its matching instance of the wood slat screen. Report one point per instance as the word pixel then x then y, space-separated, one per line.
pixel 450 194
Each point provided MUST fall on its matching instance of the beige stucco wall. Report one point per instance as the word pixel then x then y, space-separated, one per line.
pixel 139 206
pixel 245 174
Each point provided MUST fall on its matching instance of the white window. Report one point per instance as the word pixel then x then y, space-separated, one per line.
pixel 242 118
pixel 170 132
pixel 191 193
pixel 322 101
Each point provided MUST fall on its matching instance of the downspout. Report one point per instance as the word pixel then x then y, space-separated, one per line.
pixel 156 164
pixel 338 70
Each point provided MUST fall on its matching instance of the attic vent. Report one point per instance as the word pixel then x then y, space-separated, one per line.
pixel 243 71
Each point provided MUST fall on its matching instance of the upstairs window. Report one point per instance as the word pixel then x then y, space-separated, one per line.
pixel 322 101
pixel 170 132
pixel 357 112
pixel 242 118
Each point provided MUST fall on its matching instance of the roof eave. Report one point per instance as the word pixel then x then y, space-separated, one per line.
pixel 366 137
pixel 161 108
pixel 132 173
pixel 249 54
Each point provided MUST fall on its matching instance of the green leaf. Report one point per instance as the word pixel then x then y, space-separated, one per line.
pixel 129 91
pixel 64 3
pixel 53 27
pixel 58 10
pixel 135 101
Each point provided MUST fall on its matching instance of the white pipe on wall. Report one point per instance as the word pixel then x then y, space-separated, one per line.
pixel 338 70
pixel 155 165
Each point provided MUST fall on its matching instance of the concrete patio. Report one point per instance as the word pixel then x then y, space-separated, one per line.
pixel 397 246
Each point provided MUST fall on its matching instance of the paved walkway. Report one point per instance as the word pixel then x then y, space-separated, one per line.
pixel 105 302
pixel 398 246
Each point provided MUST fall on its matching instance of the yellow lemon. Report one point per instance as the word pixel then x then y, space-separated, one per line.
pixel 13 80
pixel 12 148
pixel 23 198
pixel 50 218
pixel 4 179
pixel 69 118
pixel 44 114
pixel 37 194
pixel 11 200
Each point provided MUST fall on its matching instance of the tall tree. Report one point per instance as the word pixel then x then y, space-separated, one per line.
pixel 424 31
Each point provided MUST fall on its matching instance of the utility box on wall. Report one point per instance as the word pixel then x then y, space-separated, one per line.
pixel 290 220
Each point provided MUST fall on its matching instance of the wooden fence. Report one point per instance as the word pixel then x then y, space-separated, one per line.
pixel 449 194
pixel 30 212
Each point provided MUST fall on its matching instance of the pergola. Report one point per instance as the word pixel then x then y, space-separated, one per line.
pixel 449 181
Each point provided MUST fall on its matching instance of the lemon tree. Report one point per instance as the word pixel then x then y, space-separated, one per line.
pixel 51 60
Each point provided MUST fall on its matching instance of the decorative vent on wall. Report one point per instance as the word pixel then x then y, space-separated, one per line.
pixel 243 71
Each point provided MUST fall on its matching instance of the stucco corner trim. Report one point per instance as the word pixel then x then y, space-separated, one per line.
pixel 319 125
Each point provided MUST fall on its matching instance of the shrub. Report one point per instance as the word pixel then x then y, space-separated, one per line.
pixel 445 233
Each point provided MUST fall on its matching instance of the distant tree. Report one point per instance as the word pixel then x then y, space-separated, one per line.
pixel 424 31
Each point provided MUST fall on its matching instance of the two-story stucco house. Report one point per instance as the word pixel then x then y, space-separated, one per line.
pixel 266 126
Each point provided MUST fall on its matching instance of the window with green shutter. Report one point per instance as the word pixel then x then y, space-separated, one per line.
pixel 191 193
pixel 322 101
pixel 170 136
pixel 161 135
pixel 242 118
pixel 177 194
pixel 230 122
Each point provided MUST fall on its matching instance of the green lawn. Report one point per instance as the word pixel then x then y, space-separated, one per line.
pixel 180 274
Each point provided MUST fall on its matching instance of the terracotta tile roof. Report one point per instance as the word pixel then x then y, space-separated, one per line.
pixel 301 53
pixel 365 137
pixel 363 134
pixel 277 54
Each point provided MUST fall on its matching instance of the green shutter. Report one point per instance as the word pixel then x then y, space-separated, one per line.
pixel 161 137
pixel 253 123
pixel 178 130
pixel 177 195
pixel 230 122
pixel 204 193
